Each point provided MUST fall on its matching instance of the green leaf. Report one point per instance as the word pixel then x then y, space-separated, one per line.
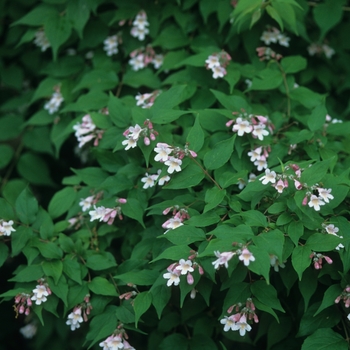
pixel 142 303
pixel 61 202
pixel 78 12
pixel 6 210
pixel 53 269
pixel 101 286
pixel 72 269
pixel 328 15
pixel 195 137
pixel 204 220
pixel 306 97
pixel 174 253
pixel 26 207
pixel 213 197
pixel 317 118
pixel 266 294
pixel 267 79
pixel 295 231
pixel 28 274
pixel 308 286
pixel 219 154
pixel 133 209
pixel 329 297
pixel 6 155
pixel 321 242
pixel 161 295
pixel 271 241
pixel 185 234
pixel 232 103
pixel 144 77
pixel 48 250
pixel 37 16
pixel 91 176
pixel 238 293
pixel 261 265
pixel 4 253
pixel 98 80
pixel 57 29
pixel 171 37
pixel 324 339
pixel 254 218
pixel 301 259
pixel 98 261
pixel 140 278
pixel 293 64
pixel 274 14
pixel 316 172
pixel 191 176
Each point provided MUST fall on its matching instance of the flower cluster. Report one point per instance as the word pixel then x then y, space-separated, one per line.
pixel 317 260
pixel 41 291
pixel 23 303
pixel 179 215
pixel 246 123
pixel 133 133
pixel 107 214
pixel 75 317
pixel 345 296
pixel 223 258
pixel 273 35
pixel 150 180
pixel 318 49
pixel 280 182
pixel 118 340
pixel 183 268
pixel 147 100
pixel 140 24
pixel 259 155
pixel 332 230
pixel 172 156
pixel 41 40
pixel 6 228
pixel 111 45
pixel 239 321
pixel 142 57
pixel 87 131
pixel 266 53
pixel 55 102
pixel 330 120
pixel 218 62
pixel 275 263
pixel 129 295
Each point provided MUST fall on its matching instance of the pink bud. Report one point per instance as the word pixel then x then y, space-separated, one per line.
pixel 21 309
pixel 229 123
pixel 193 293
pixel 48 290
pixel 190 279
pixel 120 216
pixel 110 221
pixel 337 300
pixel 152 136
pixel 298 185
pixel 122 200
pixel 150 125
pixel 347 303
pixel 230 309
pixel 27 312
pixel 256 319
pixel 193 154
pixel 236 317
pixel 286 183
pixel 126 132
pixel 166 211
pixel 85 317
pixel 328 259
pixel 200 270
pixel 304 202
pixel 262 119
pixel 317 266
pixel 347 289
pixel 18 299
pixel 29 302
pixel 146 141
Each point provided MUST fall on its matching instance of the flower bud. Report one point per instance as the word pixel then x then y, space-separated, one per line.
pixel 146 141
pixel 122 200
pixel 190 279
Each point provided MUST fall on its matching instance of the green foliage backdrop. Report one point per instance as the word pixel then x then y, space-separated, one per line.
pixel 175 174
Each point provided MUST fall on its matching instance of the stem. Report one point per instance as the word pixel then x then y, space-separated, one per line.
pixel 207 174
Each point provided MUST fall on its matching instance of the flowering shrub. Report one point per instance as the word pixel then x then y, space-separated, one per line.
pixel 167 182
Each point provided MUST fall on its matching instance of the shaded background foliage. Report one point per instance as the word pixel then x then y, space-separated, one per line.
pixel 39 149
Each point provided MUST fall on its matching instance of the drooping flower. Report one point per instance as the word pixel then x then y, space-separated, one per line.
pixel 270 176
pixel 163 150
pixel 74 319
pixel 174 164
pixel 259 131
pixel 6 228
pixel 173 277
pixel 228 322
pixel 86 203
pixel 111 45
pixel 29 330
pixel 325 194
pixel 54 104
pixel 40 294
pixel 41 40
pixel 148 180
pixel 242 126
pixel 242 326
pixel 219 72
pixel 223 259
pixel 275 263
pixel 172 223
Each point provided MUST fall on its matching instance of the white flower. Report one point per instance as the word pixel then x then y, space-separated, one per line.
pixel 315 202
pixel 172 277
pixel 325 194
pixel 246 256
pixel 242 326
pixel 261 163
pixel 139 33
pixel 185 266
pixel 129 143
pixel 140 20
pixel 141 99
pixel 98 213
pixel 255 154
pixel 41 40
pixel 148 180
pixel 6 228
pixel 252 177
pixel 29 330
pixel 242 126
pixel 241 184
pixel 275 263
pixel 137 62
pixel 40 294
pixel 279 186
pixel 283 40
pixel 163 150
pixel 259 131
pixel 328 51
pixel 54 104
pixel 332 229
pixel 269 37
pixel 158 61
pixel 86 203
pixel 134 131
pixel 115 343
pixel 212 61
pixel 228 322
pixel 218 72
pixel 74 318
pixel 270 176
pixel 174 164
pixel 172 223
pixel 163 179
pixel 111 45
pixel 223 259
